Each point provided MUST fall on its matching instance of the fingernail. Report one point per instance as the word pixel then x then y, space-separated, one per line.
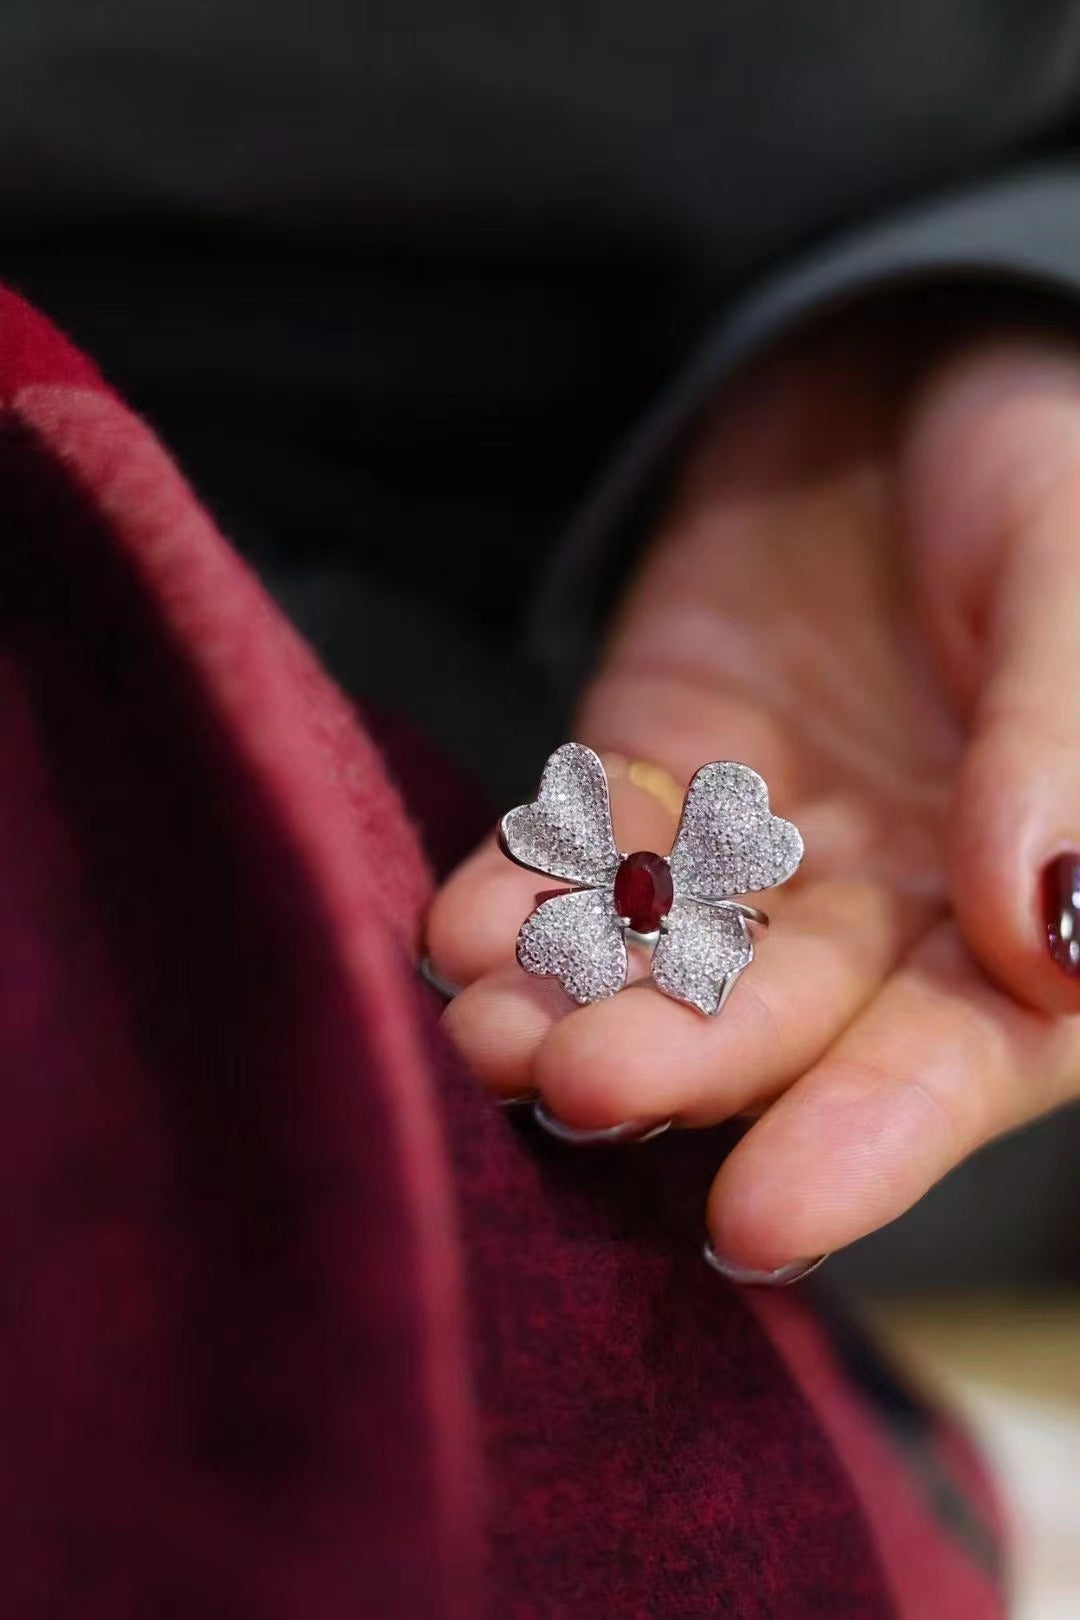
pixel 631 1130
pixel 1061 911
pixel 431 975
pixel 782 1277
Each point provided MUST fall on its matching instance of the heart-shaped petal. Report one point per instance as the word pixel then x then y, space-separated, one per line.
pixel 575 938
pixel 566 831
pixel 728 841
pixel 701 954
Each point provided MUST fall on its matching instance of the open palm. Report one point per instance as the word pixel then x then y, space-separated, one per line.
pixel 867 586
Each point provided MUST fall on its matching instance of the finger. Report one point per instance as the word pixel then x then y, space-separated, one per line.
pixel 992 473
pixel 940 1062
pixel 474 918
pixel 499 1023
pixel 645 1056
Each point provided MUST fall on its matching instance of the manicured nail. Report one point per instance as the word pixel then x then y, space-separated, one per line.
pixel 782 1277
pixel 431 975
pixel 1061 911
pixel 631 1130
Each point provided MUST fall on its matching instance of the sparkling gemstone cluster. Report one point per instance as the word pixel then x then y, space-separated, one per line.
pixel 728 843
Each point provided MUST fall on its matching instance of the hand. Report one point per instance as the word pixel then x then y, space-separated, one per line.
pixel 867 586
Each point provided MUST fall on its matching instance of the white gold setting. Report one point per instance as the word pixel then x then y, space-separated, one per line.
pixel 728 843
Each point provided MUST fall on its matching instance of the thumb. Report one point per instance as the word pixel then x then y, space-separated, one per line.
pixel 990 485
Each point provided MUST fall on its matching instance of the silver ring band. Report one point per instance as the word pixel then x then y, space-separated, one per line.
pixel 751 913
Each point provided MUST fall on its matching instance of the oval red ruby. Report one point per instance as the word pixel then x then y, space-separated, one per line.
pixel 643 890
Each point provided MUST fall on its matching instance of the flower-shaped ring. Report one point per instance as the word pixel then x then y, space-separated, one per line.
pixel 728 843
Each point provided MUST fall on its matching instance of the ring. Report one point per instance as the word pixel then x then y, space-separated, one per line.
pixel 681 906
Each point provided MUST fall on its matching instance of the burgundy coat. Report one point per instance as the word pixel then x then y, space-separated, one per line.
pixel 295 1325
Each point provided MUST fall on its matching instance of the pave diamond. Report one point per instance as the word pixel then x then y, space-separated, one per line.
pixel 576 939
pixel 703 947
pixel 566 832
pixel 728 842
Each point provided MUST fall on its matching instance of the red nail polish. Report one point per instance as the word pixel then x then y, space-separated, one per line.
pixel 1061 911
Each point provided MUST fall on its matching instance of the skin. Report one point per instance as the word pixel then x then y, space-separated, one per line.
pixel 867 586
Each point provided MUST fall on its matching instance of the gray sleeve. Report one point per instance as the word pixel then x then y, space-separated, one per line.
pixel 1024 230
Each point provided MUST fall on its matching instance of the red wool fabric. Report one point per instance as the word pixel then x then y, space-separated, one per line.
pixel 294 1323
